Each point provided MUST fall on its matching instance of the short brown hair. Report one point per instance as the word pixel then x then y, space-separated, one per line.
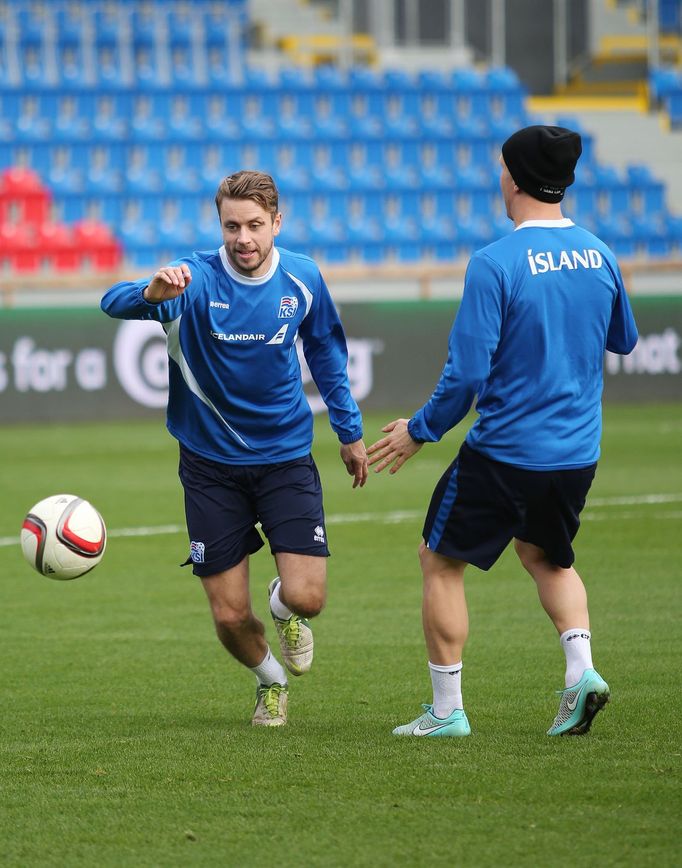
pixel 257 186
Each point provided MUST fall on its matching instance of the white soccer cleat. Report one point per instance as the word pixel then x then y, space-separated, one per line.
pixel 271 705
pixel 295 639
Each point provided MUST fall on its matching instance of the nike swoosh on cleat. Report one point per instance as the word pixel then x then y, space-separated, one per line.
pixel 420 730
pixel 571 705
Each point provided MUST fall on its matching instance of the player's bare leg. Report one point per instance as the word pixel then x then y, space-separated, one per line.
pixel 243 635
pixel 304 583
pixel 445 617
pixel 239 630
pixel 561 591
pixel 298 593
pixel 564 598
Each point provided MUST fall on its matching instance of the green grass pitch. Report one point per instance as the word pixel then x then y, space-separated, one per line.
pixel 124 727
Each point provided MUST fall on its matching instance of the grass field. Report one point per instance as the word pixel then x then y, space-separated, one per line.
pixel 124 733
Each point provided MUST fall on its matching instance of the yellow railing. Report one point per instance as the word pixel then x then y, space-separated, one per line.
pixel 321 48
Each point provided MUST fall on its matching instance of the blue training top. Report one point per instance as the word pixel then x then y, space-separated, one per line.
pixel 540 307
pixel 236 393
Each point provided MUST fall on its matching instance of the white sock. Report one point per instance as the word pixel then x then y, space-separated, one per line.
pixel 447 688
pixel 277 607
pixel 270 671
pixel 578 651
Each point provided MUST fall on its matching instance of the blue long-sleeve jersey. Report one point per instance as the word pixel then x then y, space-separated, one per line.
pixel 235 391
pixel 540 307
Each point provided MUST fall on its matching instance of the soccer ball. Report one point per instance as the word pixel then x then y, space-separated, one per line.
pixel 63 536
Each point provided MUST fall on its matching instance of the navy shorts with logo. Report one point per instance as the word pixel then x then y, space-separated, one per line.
pixel 480 505
pixel 224 502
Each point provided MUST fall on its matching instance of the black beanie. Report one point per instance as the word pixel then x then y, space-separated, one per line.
pixel 541 160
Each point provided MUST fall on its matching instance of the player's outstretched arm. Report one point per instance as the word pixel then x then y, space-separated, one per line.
pixel 394 449
pixel 168 282
pixel 354 456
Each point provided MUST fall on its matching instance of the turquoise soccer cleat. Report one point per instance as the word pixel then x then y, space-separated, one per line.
pixel 454 725
pixel 579 704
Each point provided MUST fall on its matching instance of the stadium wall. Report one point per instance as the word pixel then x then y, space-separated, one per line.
pixel 71 364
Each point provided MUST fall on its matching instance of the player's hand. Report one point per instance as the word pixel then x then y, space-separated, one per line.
pixel 168 282
pixel 394 449
pixel 354 456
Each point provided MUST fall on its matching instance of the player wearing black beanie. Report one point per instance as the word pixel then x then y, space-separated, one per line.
pixel 542 160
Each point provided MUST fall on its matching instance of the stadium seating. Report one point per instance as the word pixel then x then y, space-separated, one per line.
pixel 131 113
pixel 665 89
pixel 32 239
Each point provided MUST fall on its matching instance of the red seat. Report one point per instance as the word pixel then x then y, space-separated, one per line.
pixel 23 198
pixel 58 246
pixel 19 247
pixel 98 244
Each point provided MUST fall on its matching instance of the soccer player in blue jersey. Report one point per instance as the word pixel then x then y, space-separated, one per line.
pixel 237 407
pixel 539 308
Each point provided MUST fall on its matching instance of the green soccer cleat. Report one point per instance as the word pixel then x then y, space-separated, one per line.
pixel 579 704
pixel 295 639
pixel 454 725
pixel 271 705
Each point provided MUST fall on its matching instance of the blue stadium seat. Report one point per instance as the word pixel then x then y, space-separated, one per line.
pixel 364 78
pixel 435 173
pixel 291 174
pixel 71 66
pixel 218 70
pixel 109 67
pixel 330 78
pixel 147 121
pixel 142 172
pixel 324 171
pixel 673 105
pixel 180 175
pixel 175 232
pixel 32 64
pixel 110 117
pixel 107 22
pixel 647 195
pixel 65 173
pixel 183 70
pixel 400 81
pixel 254 121
pixel 295 78
pixel 363 165
pixel 31 124
pixel 144 24
pixel 183 122
pixel 181 20
pixel 663 81
pixel 71 117
pixel 330 115
pixel 398 172
pixel 364 115
pixel 290 123
pixel 400 115
pixel 32 28
pixel 670 16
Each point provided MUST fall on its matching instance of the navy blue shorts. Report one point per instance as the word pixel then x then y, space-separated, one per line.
pixel 224 502
pixel 480 505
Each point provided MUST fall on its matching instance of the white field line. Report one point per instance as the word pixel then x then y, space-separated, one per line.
pixel 399 516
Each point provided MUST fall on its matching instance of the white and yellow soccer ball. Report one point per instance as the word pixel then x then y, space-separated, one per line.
pixel 63 537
